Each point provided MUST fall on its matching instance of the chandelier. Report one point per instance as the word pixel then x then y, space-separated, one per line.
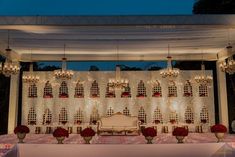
pixel 30 78
pixel 203 78
pixel 118 82
pixel 169 71
pixel 229 65
pixel 9 67
pixel 63 73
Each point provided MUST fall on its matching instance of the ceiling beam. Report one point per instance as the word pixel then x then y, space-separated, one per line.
pixel 122 57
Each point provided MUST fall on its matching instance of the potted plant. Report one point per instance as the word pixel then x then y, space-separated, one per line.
pixel 21 132
pixel 60 134
pixel 87 134
pixel 149 133
pixel 180 133
pixel 219 131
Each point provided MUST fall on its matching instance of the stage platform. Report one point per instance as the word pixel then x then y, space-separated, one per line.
pixel 9 141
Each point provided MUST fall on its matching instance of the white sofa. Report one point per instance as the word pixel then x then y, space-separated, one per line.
pixel 118 124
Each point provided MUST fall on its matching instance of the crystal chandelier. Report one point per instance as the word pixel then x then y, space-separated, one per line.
pixel 229 65
pixel 118 82
pixel 169 71
pixel 9 67
pixel 30 78
pixel 63 73
pixel 203 78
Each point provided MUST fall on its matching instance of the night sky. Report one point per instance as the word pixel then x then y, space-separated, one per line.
pixel 95 7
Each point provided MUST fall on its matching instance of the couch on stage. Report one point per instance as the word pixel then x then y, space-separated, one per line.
pixel 118 124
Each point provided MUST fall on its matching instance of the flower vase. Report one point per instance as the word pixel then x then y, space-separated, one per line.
pixel 219 136
pixel 180 139
pixel 149 139
pixel 21 137
pixel 87 139
pixel 60 139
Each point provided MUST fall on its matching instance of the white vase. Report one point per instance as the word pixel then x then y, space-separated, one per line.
pixel 21 137
pixel 180 139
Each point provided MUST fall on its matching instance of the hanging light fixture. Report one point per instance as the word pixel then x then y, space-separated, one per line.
pixel 203 78
pixel 30 77
pixel 9 67
pixel 228 65
pixel 169 71
pixel 118 82
pixel 63 73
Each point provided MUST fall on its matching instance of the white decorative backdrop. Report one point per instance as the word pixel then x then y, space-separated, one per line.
pixel 87 104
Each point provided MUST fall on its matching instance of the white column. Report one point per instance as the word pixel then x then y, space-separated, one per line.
pixel 222 96
pixel 13 103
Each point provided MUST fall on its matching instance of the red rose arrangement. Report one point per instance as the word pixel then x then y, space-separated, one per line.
pixel 140 95
pixel 61 132
pixel 149 132
pixel 21 129
pixel 218 128
pixel 188 121
pixel 157 94
pixel 88 132
pixel 48 95
pixel 187 94
pixel 172 121
pixel 157 121
pixel 125 94
pixel 180 131
pixel 64 95
pixel 203 121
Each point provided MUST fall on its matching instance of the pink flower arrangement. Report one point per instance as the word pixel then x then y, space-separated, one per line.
pixel 180 131
pixel 140 95
pixel 61 132
pixel 149 132
pixel 218 128
pixel 21 129
pixel 88 132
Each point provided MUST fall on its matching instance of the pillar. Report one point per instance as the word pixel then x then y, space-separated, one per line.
pixel 13 103
pixel 222 96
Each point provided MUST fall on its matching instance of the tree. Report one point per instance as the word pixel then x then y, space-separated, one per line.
pixel 94 68
pixel 214 7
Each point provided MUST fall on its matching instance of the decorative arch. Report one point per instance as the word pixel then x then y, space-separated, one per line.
pixel 188 89
pixel 79 90
pixel 47 93
pixel 141 89
pixel 32 92
pixel 47 117
pixel 78 117
pixel 63 91
pixel 32 117
pixel 157 89
pixel 172 89
pixel 94 90
pixel 157 116
pixel 63 116
pixel 142 115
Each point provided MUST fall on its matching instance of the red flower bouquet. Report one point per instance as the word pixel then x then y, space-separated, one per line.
pixel 172 121
pixel 188 121
pixel 63 95
pixel 88 132
pixel 157 121
pixel 125 94
pixel 79 95
pixel 149 132
pixel 187 94
pixel 218 128
pixel 203 121
pixel 157 94
pixel 48 96
pixel 21 129
pixel 140 96
pixel 61 132
pixel 180 131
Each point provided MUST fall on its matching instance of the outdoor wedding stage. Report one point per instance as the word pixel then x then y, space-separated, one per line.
pixel 196 144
